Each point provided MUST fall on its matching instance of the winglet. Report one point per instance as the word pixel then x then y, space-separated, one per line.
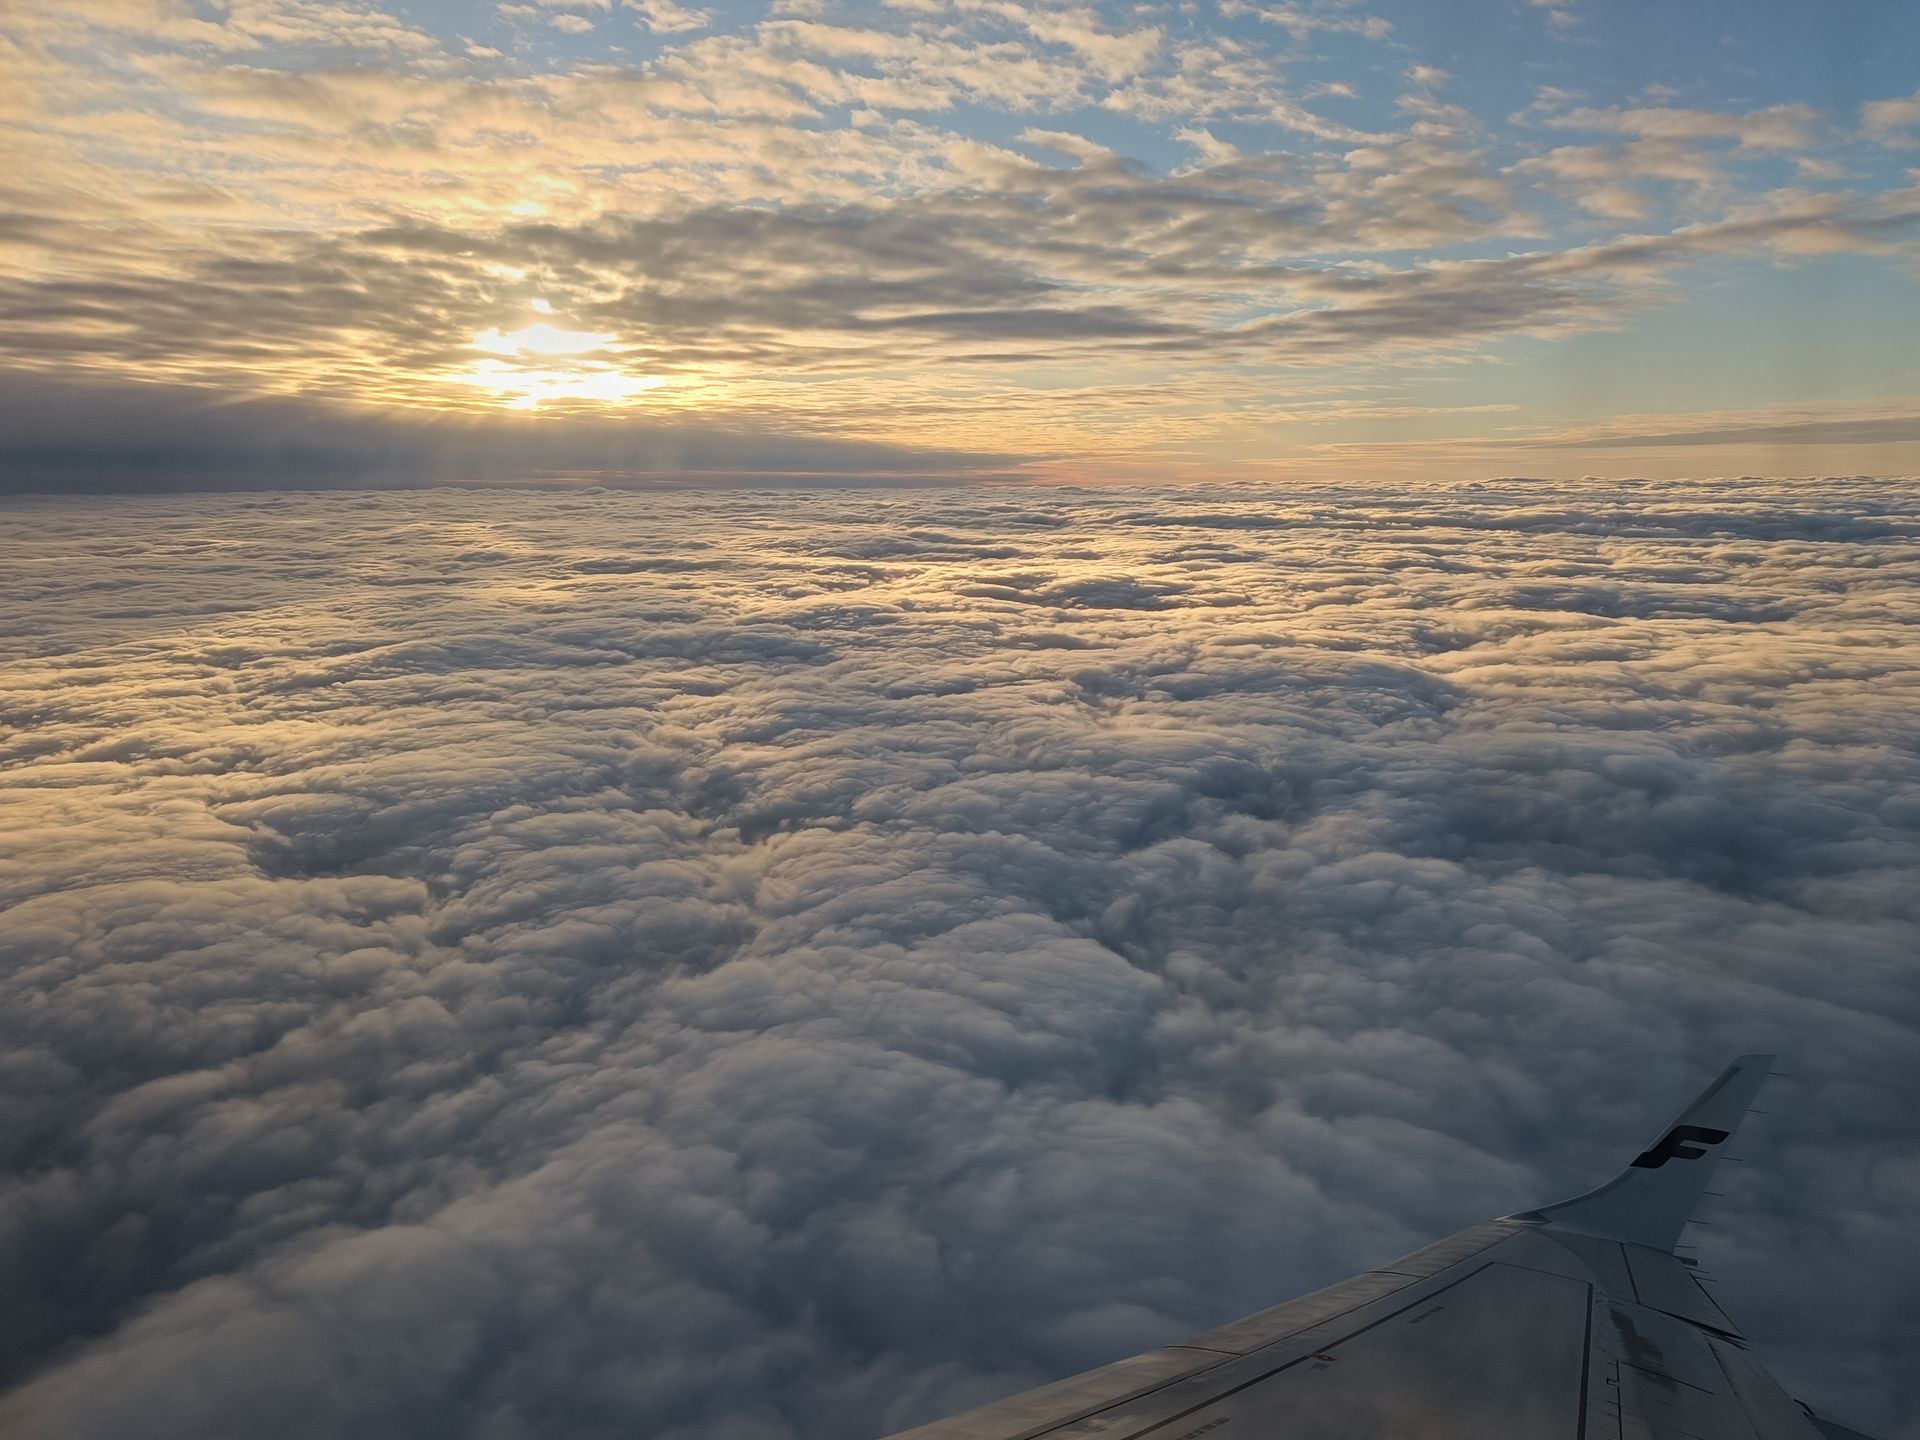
pixel 1650 1202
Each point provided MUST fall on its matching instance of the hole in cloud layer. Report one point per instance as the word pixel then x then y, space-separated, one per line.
pixel 727 966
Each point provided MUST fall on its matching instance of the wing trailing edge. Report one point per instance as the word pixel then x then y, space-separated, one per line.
pixel 1652 1200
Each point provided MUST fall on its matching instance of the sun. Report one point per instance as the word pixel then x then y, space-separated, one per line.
pixel 543 362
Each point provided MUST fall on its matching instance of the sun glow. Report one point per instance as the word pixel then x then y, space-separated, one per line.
pixel 543 362
pixel 541 338
pixel 523 389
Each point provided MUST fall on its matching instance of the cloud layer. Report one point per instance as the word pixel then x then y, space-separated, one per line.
pixel 723 966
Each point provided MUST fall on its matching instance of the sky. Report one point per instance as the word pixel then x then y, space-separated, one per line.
pixel 300 242
pixel 785 965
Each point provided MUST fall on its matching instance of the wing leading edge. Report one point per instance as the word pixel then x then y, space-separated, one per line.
pixel 1554 1324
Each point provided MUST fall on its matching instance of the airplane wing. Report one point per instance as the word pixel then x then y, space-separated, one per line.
pixel 1568 1322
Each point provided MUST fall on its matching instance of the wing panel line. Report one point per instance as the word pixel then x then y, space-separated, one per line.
pixel 1586 1369
pixel 1302 1359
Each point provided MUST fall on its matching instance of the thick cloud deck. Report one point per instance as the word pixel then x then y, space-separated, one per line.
pixel 498 965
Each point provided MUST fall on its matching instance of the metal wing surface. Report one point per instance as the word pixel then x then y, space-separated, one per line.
pixel 1572 1321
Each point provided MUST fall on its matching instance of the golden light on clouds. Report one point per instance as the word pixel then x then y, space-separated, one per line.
pixel 523 388
pixel 543 363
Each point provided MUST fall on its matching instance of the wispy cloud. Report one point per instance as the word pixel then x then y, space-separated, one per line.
pixel 1891 120
pixel 1775 127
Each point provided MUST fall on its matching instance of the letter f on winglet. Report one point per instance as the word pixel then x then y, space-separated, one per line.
pixel 1673 1146
pixel 1650 1202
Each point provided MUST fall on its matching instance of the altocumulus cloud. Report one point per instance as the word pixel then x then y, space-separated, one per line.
pixel 496 965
